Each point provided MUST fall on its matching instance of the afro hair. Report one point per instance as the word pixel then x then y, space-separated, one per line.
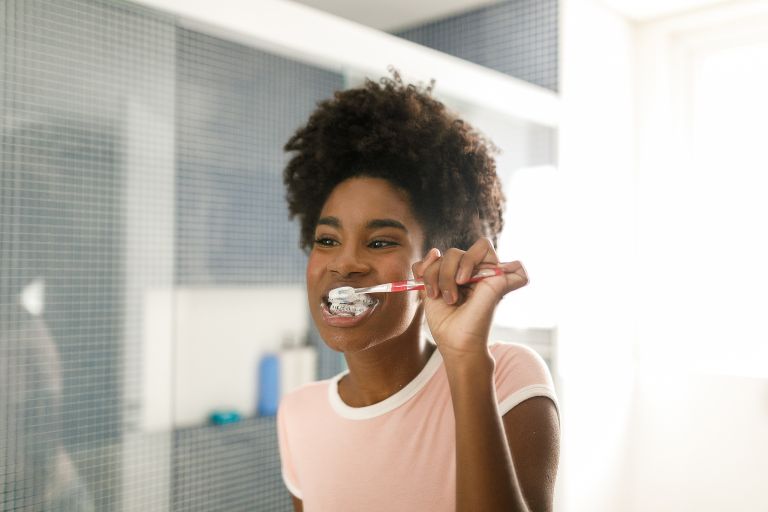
pixel 399 133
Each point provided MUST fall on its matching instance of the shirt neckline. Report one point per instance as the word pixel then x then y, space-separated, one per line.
pixel 388 404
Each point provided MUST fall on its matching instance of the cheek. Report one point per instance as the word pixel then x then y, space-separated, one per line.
pixel 314 267
pixel 405 306
pixel 413 303
pixel 406 301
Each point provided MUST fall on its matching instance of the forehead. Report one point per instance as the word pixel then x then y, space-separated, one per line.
pixel 360 199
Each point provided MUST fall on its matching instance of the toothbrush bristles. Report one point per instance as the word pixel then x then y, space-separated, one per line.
pixel 345 292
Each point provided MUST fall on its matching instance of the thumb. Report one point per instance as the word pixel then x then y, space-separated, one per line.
pixel 515 274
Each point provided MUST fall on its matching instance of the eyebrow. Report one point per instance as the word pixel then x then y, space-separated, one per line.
pixel 371 224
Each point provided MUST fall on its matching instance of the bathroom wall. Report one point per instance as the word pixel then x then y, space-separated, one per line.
pixel 595 339
pixel 137 157
pixel 140 159
pixel 516 37
pixel 87 118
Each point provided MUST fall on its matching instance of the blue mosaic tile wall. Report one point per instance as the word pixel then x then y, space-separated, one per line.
pixel 135 155
pixel 236 108
pixel 516 37
pixel 72 72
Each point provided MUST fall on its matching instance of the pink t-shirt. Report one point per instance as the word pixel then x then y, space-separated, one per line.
pixel 398 454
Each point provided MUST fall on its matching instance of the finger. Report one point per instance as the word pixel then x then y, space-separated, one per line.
pixel 419 266
pixel 482 251
pixel 421 270
pixel 430 278
pixel 447 275
pixel 512 267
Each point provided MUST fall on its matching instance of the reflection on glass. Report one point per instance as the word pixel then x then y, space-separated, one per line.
pixel 45 477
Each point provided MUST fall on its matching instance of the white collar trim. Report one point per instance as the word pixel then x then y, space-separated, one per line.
pixel 388 404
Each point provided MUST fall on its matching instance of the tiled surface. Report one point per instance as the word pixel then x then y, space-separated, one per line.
pixel 77 79
pixel 229 467
pixel 516 37
pixel 237 107
pixel 135 155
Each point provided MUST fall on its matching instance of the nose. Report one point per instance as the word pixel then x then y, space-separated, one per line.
pixel 348 262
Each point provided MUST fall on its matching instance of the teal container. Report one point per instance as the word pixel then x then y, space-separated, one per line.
pixel 224 417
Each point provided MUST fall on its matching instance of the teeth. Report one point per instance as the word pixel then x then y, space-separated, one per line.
pixel 351 306
pixel 347 309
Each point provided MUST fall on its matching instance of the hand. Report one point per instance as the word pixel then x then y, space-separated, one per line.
pixel 459 313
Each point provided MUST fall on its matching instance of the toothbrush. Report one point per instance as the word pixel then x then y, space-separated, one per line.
pixel 347 293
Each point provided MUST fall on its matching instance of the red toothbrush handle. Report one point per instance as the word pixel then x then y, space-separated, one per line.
pixel 418 284
pixel 404 286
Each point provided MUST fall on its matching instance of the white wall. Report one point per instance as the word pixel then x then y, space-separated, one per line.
pixel 212 338
pixel 664 395
pixel 700 415
pixel 698 442
pixel 596 269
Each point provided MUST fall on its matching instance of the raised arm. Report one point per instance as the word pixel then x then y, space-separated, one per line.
pixel 503 464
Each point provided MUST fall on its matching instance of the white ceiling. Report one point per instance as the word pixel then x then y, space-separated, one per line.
pixel 392 15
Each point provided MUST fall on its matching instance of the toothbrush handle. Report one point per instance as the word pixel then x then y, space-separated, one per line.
pixel 405 286
pixel 418 284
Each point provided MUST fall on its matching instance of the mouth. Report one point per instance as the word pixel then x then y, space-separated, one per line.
pixel 354 306
pixel 347 313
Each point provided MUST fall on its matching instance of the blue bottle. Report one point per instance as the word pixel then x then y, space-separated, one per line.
pixel 269 385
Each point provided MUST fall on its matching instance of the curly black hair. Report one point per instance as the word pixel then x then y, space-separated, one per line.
pixel 402 134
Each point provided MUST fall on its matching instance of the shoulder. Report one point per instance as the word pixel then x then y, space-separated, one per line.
pixel 520 373
pixel 520 359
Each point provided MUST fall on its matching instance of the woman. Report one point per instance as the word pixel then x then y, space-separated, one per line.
pixel 389 185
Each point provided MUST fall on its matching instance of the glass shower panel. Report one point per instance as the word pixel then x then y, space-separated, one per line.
pixel 86 236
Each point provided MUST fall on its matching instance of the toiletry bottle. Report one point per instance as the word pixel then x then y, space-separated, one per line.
pixel 269 385
pixel 298 363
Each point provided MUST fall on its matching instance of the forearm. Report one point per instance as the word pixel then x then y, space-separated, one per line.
pixel 485 473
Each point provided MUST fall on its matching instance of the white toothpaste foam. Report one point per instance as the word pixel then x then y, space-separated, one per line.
pixel 351 304
pixel 344 293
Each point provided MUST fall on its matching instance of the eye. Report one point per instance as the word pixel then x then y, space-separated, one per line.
pixel 381 244
pixel 324 241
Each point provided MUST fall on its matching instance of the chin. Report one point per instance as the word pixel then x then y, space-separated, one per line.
pixel 346 344
pixel 347 340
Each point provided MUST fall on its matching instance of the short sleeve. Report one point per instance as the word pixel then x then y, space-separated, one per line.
pixel 287 466
pixel 520 374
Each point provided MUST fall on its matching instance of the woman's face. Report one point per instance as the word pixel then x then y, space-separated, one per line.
pixel 366 234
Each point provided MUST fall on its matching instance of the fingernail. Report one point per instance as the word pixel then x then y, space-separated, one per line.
pixel 428 289
pixel 463 276
pixel 447 297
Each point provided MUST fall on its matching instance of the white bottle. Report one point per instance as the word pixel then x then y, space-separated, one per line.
pixel 298 364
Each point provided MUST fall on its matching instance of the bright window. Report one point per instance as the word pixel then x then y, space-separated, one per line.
pixel 703 214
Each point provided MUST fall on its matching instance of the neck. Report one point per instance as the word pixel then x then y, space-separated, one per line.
pixel 379 372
